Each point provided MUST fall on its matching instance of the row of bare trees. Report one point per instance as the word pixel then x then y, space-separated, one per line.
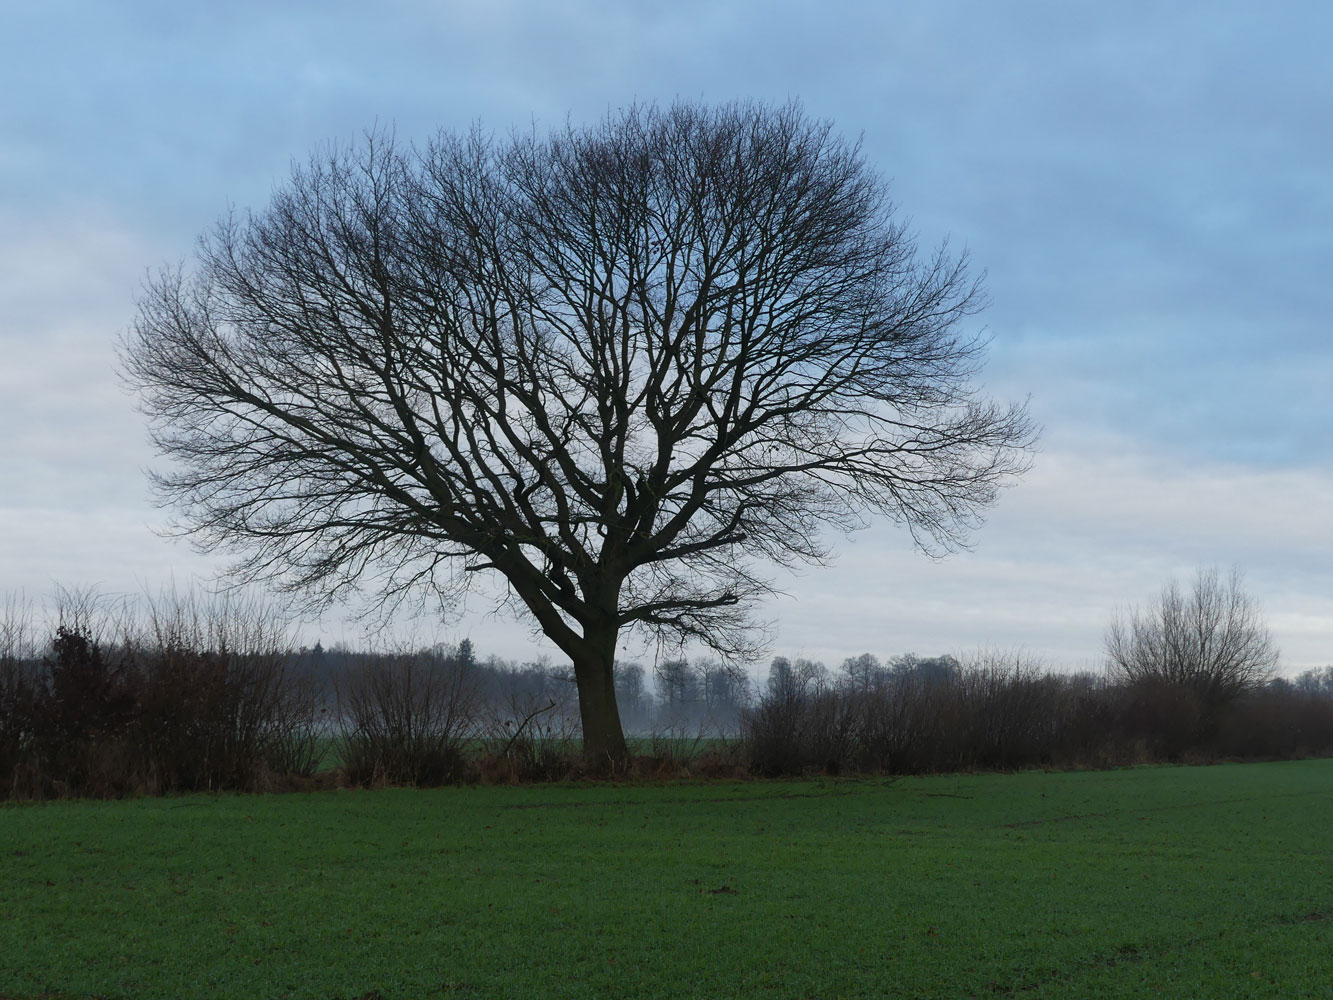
pixel 1190 674
pixel 186 694
pixel 1004 711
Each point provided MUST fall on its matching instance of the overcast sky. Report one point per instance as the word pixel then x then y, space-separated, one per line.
pixel 1149 186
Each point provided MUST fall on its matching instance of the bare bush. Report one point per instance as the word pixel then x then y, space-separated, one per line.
pixel 679 750
pixel 176 694
pixel 996 710
pixel 802 721
pixel 902 722
pixel 1090 734
pixel 1014 710
pixel 776 729
pixel 774 734
pixel 531 737
pixel 1277 722
pixel 87 698
pixel 222 704
pixel 407 718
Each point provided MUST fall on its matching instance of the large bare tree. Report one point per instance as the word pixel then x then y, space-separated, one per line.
pixel 616 366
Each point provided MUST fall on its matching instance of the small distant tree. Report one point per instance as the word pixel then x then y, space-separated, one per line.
pixel 782 683
pixel 795 680
pixel 725 686
pixel 927 670
pixel 938 669
pixel 677 682
pixel 631 689
pixel 1210 640
pixel 466 655
pixel 862 673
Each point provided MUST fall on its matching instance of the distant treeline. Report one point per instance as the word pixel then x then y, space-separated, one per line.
pixel 183 695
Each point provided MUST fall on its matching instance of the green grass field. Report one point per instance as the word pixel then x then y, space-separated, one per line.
pixel 1175 882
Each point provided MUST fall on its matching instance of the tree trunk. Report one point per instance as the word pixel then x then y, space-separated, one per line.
pixel 603 737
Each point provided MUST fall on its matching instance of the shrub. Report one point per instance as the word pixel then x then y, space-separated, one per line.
pixel 531 737
pixel 221 704
pixel 1276 722
pixel 774 733
pixel 185 695
pixel 1012 712
pixel 19 693
pixel 191 697
pixel 1166 719
pixel 406 718
pixel 994 711
pixel 85 713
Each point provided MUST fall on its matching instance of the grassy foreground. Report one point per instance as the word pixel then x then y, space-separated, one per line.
pixel 1178 882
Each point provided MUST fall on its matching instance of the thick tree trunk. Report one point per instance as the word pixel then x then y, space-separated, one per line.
pixel 603 737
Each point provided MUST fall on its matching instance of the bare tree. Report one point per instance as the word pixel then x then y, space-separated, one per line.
pixel 788 681
pixel 726 686
pixel 678 682
pixel 862 673
pixel 615 367
pixel 1211 640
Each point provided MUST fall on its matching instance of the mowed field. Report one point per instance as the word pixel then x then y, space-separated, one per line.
pixel 1178 882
